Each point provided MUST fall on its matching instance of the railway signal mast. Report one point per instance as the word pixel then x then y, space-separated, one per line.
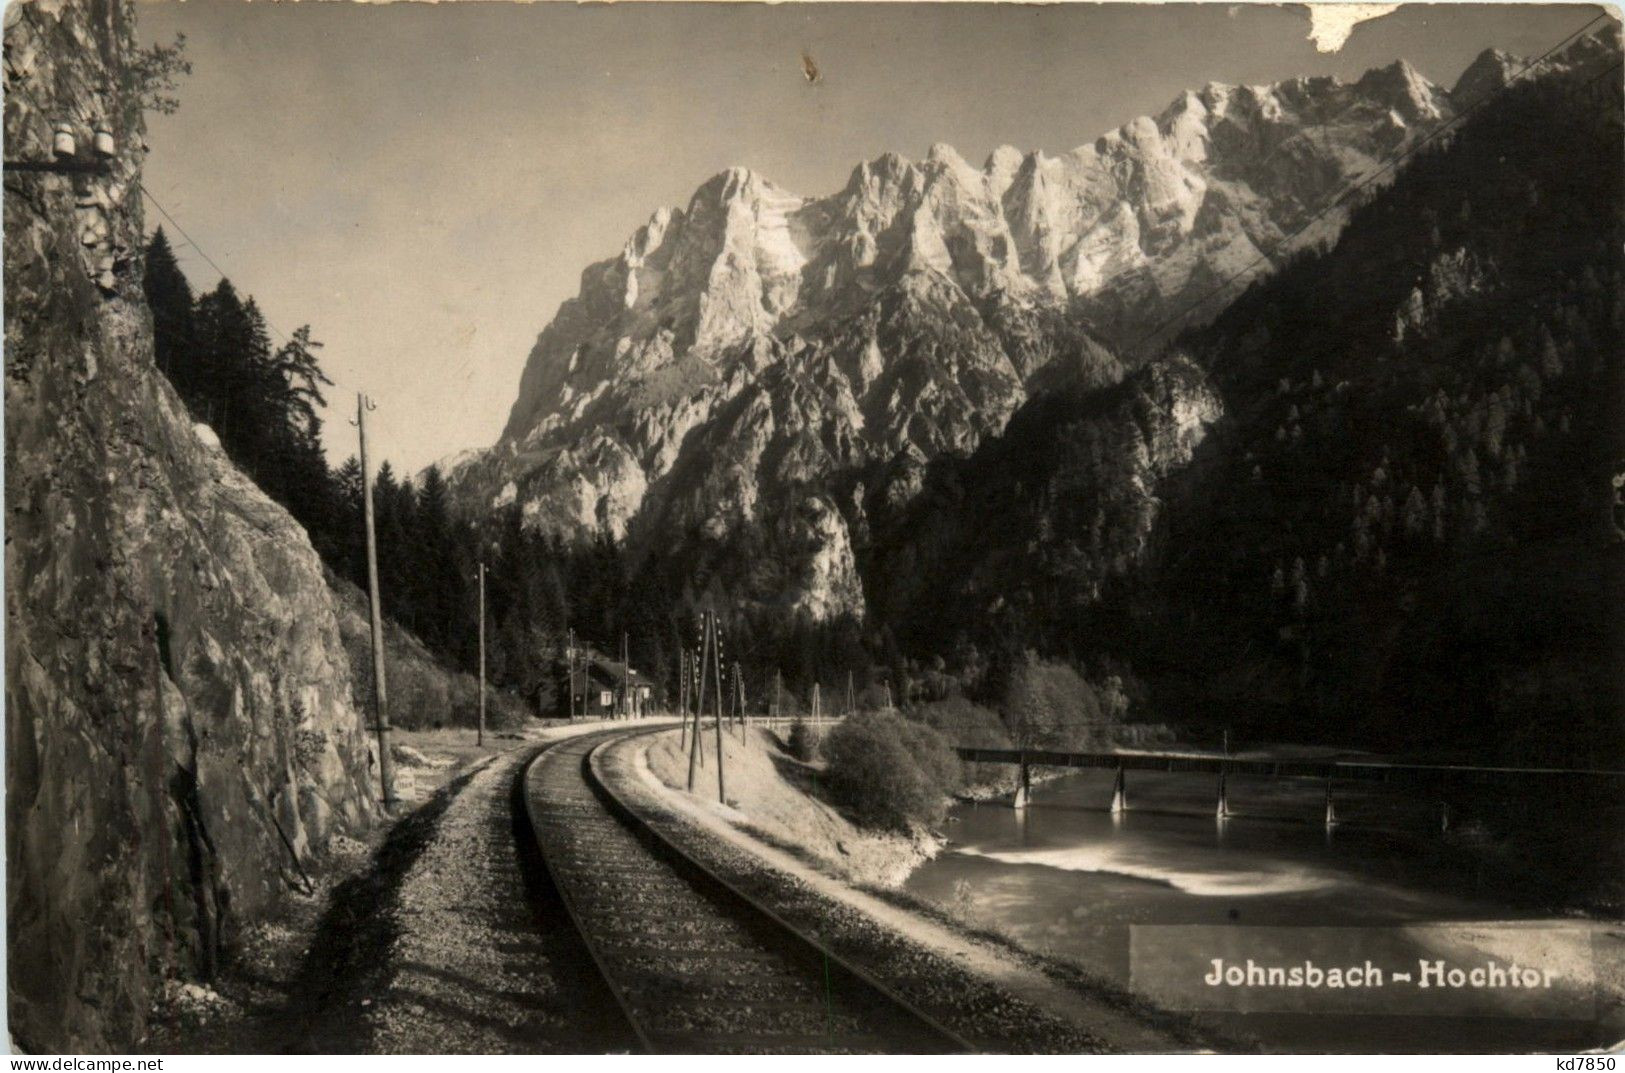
pixel 696 671
pixel 570 673
pixel 738 709
pixel 682 694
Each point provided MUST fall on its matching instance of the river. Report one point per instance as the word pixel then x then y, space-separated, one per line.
pixel 1068 878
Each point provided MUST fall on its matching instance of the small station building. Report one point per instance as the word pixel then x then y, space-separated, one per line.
pixel 601 689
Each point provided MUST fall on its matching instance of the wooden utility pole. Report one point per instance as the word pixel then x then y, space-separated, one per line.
pixel 479 733
pixel 778 694
pixel 570 673
pixel 851 705
pixel 698 674
pixel 716 655
pixel 682 693
pixel 817 713
pixel 626 680
pixel 739 698
pixel 380 695
pixel 699 705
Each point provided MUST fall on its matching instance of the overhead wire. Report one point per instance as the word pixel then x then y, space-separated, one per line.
pixel 201 252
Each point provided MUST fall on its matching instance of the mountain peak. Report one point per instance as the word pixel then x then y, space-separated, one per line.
pixel 927 298
pixel 888 172
pixel 1406 90
pixel 1495 69
pixel 1004 158
pixel 946 155
pixel 737 184
pixel 1489 72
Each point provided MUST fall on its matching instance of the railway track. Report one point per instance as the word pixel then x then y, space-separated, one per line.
pixel 697 965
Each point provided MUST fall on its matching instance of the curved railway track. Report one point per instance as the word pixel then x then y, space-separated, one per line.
pixel 696 964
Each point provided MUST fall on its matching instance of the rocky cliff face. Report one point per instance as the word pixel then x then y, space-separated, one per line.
pixel 743 351
pixel 179 733
pixel 1042 521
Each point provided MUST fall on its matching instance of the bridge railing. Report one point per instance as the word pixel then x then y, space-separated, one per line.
pixel 1361 770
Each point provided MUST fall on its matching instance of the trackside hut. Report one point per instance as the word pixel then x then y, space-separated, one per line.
pixel 596 689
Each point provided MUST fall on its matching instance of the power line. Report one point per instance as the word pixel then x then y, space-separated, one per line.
pixel 177 226
pixel 201 252
pixel 1361 183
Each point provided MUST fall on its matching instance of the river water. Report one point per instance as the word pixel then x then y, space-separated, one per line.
pixel 1068 878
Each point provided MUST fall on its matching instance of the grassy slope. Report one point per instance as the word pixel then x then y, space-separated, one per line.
pixel 776 797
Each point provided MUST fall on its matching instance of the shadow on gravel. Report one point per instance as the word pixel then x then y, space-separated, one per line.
pixel 348 968
pixel 347 961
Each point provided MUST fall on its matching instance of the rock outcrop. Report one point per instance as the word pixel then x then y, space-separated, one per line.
pixel 760 351
pixel 180 739
pixel 1041 521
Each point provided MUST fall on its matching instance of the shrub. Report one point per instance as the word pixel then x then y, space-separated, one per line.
pixel 503 711
pixel 963 722
pixel 1049 705
pixel 888 771
pixel 420 694
pixel 803 745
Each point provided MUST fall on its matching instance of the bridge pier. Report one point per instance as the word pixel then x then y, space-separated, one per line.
pixel 1024 789
pixel 1444 817
pixel 1119 797
pixel 1223 811
pixel 1331 806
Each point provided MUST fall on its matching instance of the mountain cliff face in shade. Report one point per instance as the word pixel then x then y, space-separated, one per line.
pixel 179 735
pixel 759 358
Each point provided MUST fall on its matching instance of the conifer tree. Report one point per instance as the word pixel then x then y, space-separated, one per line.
pixel 170 297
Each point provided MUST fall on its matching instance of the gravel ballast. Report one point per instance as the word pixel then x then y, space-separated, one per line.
pixel 483 961
pixel 991 1016
pixel 452 942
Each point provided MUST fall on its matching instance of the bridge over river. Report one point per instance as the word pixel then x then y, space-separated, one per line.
pixel 1445 782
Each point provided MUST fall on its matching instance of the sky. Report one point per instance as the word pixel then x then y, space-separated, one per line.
pixel 424 183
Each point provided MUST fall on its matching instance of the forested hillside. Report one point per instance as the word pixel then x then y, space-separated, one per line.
pixel 1408 538
pixel 1399 533
pixel 261 401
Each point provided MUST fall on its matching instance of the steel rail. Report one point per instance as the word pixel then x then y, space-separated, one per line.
pixel 808 939
pixel 793 949
pixel 566 896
